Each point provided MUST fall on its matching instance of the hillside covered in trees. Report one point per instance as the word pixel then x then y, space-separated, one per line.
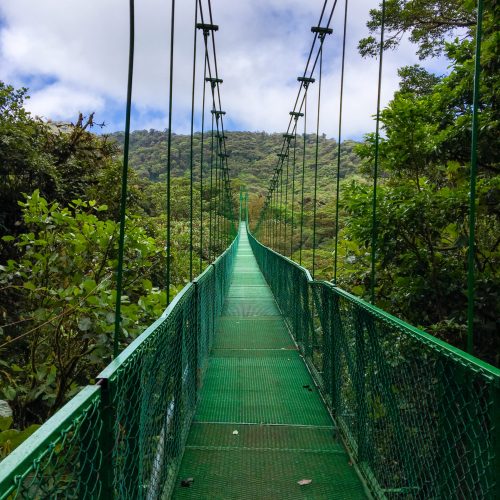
pixel 252 157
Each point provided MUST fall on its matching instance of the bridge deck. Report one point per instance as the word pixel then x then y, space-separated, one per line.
pixel 260 425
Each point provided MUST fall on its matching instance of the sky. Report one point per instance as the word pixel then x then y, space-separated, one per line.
pixel 73 55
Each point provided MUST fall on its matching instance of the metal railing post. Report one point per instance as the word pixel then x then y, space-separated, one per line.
pixel 106 441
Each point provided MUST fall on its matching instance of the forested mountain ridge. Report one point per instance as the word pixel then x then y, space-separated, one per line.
pixel 252 156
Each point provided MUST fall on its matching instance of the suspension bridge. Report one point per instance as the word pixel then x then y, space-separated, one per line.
pixel 259 381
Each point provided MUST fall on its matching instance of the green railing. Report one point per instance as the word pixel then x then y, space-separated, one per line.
pixel 124 437
pixel 420 418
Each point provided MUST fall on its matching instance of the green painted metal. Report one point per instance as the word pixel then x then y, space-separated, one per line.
pixel 339 146
pixel 124 179
pixel 302 185
pixel 419 416
pixel 373 250
pixel 124 437
pixel 169 150
pixel 316 153
pixel 60 455
pixel 202 146
pixel 473 175
pixel 191 146
pixel 258 385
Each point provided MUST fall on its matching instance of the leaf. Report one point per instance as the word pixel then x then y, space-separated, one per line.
pixel 84 324
pixel 304 482
pixel 9 392
pixel 11 439
pixel 147 285
pixel 186 483
pixel 89 285
pixel 5 423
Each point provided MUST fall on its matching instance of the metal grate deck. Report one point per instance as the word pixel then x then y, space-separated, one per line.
pixel 260 424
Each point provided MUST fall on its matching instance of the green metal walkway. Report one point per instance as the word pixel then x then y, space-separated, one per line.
pixel 261 425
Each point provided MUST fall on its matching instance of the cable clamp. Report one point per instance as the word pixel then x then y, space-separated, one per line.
pixel 207 28
pixel 322 32
pixel 305 81
pixel 296 114
pixel 217 113
pixel 214 81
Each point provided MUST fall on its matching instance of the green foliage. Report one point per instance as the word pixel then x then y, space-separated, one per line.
pixel 62 161
pixel 421 256
pixel 10 438
pixel 58 300
pixel 423 195
pixel 252 157
pixel 423 202
pixel 58 251
pixel 429 24
pixel 416 80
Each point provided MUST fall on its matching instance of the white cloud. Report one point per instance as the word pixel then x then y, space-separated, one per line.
pixel 81 49
pixel 60 102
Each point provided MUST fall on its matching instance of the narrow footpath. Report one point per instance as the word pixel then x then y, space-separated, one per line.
pixel 261 426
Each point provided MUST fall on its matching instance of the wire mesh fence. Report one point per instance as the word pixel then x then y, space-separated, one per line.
pixel 61 460
pixel 124 437
pixel 420 418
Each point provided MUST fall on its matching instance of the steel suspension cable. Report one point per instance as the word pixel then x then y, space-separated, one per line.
pixel 473 176
pixel 287 180
pixel 294 169
pixel 273 214
pixel 315 197
pixel 220 201
pixel 303 178
pixel 191 160
pixel 303 79
pixel 222 188
pixel 281 208
pixel 276 210
pixel 210 236
pixel 337 186
pixel 271 218
pixel 169 151
pixel 217 194
pixel 309 57
pixel 376 161
pixel 123 197
pixel 223 202
pixel 205 35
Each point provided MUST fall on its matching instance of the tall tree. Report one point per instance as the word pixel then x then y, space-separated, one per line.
pixel 429 23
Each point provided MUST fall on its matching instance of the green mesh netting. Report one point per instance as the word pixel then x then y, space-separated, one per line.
pixel 420 417
pixel 124 438
pixel 64 460
pixel 261 425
